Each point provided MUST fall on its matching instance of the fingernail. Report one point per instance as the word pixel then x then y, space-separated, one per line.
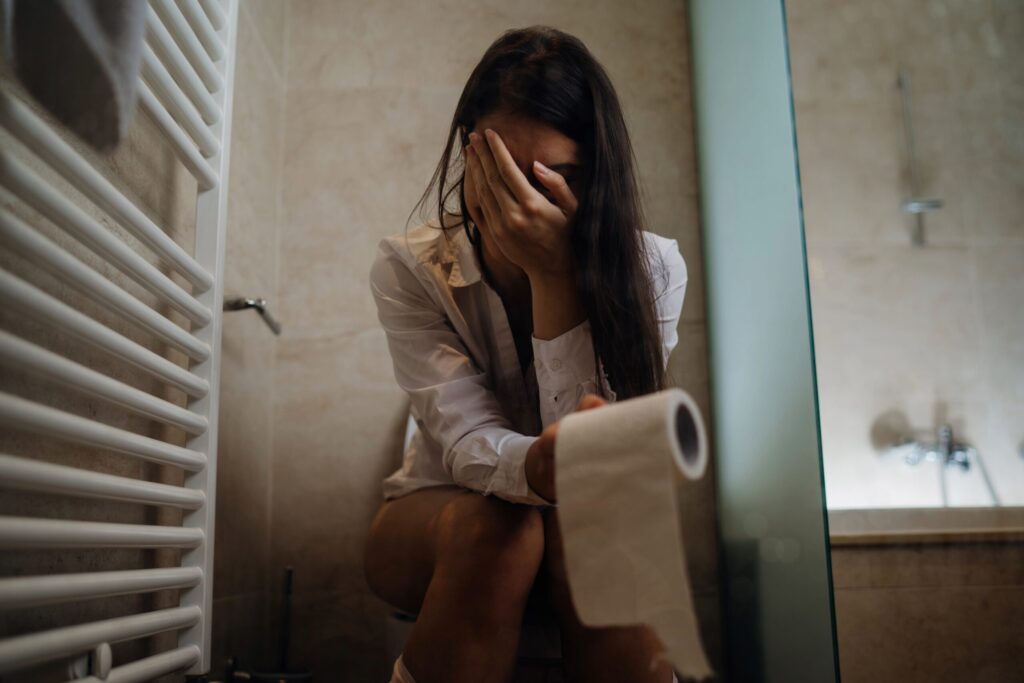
pixel 541 168
pixel 474 137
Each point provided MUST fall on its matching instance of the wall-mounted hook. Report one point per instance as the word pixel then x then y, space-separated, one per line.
pixel 242 303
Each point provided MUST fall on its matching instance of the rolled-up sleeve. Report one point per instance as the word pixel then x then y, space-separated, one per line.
pixel 566 367
pixel 449 393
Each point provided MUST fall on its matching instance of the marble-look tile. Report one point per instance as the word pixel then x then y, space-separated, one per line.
pixel 355 166
pixel 333 45
pixel 896 322
pixel 255 179
pixel 244 456
pixel 999 277
pixel 1004 454
pixel 854 175
pixel 933 634
pixel 339 45
pixel 993 196
pixel 841 51
pixel 333 446
pixel 687 367
pixel 935 565
pixel 667 177
pixel 270 18
pixel 638 46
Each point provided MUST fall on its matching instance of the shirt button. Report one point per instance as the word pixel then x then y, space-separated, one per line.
pixel 556 364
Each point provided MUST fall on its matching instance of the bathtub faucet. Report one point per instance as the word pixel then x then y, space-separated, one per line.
pixel 945 450
pixel 948 452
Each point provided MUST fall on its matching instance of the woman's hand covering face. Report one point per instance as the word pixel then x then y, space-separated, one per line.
pixel 531 231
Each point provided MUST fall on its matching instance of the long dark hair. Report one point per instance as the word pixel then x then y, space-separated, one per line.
pixel 547 75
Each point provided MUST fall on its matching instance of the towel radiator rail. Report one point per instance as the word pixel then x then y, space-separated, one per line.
pixel 185 87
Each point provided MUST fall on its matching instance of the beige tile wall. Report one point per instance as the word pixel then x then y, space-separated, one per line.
pixel 370 91
pixel 244 578
pixel 933 333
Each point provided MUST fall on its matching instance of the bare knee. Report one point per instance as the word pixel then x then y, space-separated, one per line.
pixel 488 530
pixel 494 547
pixel 397 557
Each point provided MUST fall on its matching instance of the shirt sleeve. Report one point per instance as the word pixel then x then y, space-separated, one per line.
pixel 566 367
pixel 448 392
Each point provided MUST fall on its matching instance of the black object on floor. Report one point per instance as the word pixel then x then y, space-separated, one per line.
pixel 283 675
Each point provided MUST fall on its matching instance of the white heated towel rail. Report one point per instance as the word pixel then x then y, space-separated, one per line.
pixel 186 90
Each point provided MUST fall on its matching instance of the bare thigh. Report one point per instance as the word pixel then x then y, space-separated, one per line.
pixel 400 550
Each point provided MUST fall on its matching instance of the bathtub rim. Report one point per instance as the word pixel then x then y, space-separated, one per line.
pixel 852 527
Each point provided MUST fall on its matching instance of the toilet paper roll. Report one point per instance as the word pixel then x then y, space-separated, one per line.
pixel 616 472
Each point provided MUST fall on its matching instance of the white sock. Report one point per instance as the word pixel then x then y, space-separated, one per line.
pixel 400 674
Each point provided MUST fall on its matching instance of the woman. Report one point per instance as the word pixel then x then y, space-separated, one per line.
pixel 538 294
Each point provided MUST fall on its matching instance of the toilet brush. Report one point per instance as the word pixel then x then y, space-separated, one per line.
pixel 286 618
pixel 284 644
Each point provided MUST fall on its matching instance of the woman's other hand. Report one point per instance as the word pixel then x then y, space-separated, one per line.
pixel 531 231
pixel 540 459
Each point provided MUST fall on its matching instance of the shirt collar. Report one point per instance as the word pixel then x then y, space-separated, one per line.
pixel 465 269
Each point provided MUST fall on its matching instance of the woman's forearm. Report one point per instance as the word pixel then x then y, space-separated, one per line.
pixel 556 305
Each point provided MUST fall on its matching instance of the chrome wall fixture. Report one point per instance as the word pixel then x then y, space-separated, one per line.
pixel 915 204
pixel 260 305
pixel 947 452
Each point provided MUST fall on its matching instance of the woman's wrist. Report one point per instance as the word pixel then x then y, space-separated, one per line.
pixel 539 471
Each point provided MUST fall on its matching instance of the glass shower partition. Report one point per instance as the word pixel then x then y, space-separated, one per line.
pixel 777 602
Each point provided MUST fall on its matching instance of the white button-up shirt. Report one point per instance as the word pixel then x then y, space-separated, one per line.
pixel 476 411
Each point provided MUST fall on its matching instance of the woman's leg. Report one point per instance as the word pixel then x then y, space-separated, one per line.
pixel 596 655
pixel 465 563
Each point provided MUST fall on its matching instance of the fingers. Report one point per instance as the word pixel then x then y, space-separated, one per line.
pixel 590 401
pixel 509 171
pixel 506 200
pixel 488 204
pixel 554 181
